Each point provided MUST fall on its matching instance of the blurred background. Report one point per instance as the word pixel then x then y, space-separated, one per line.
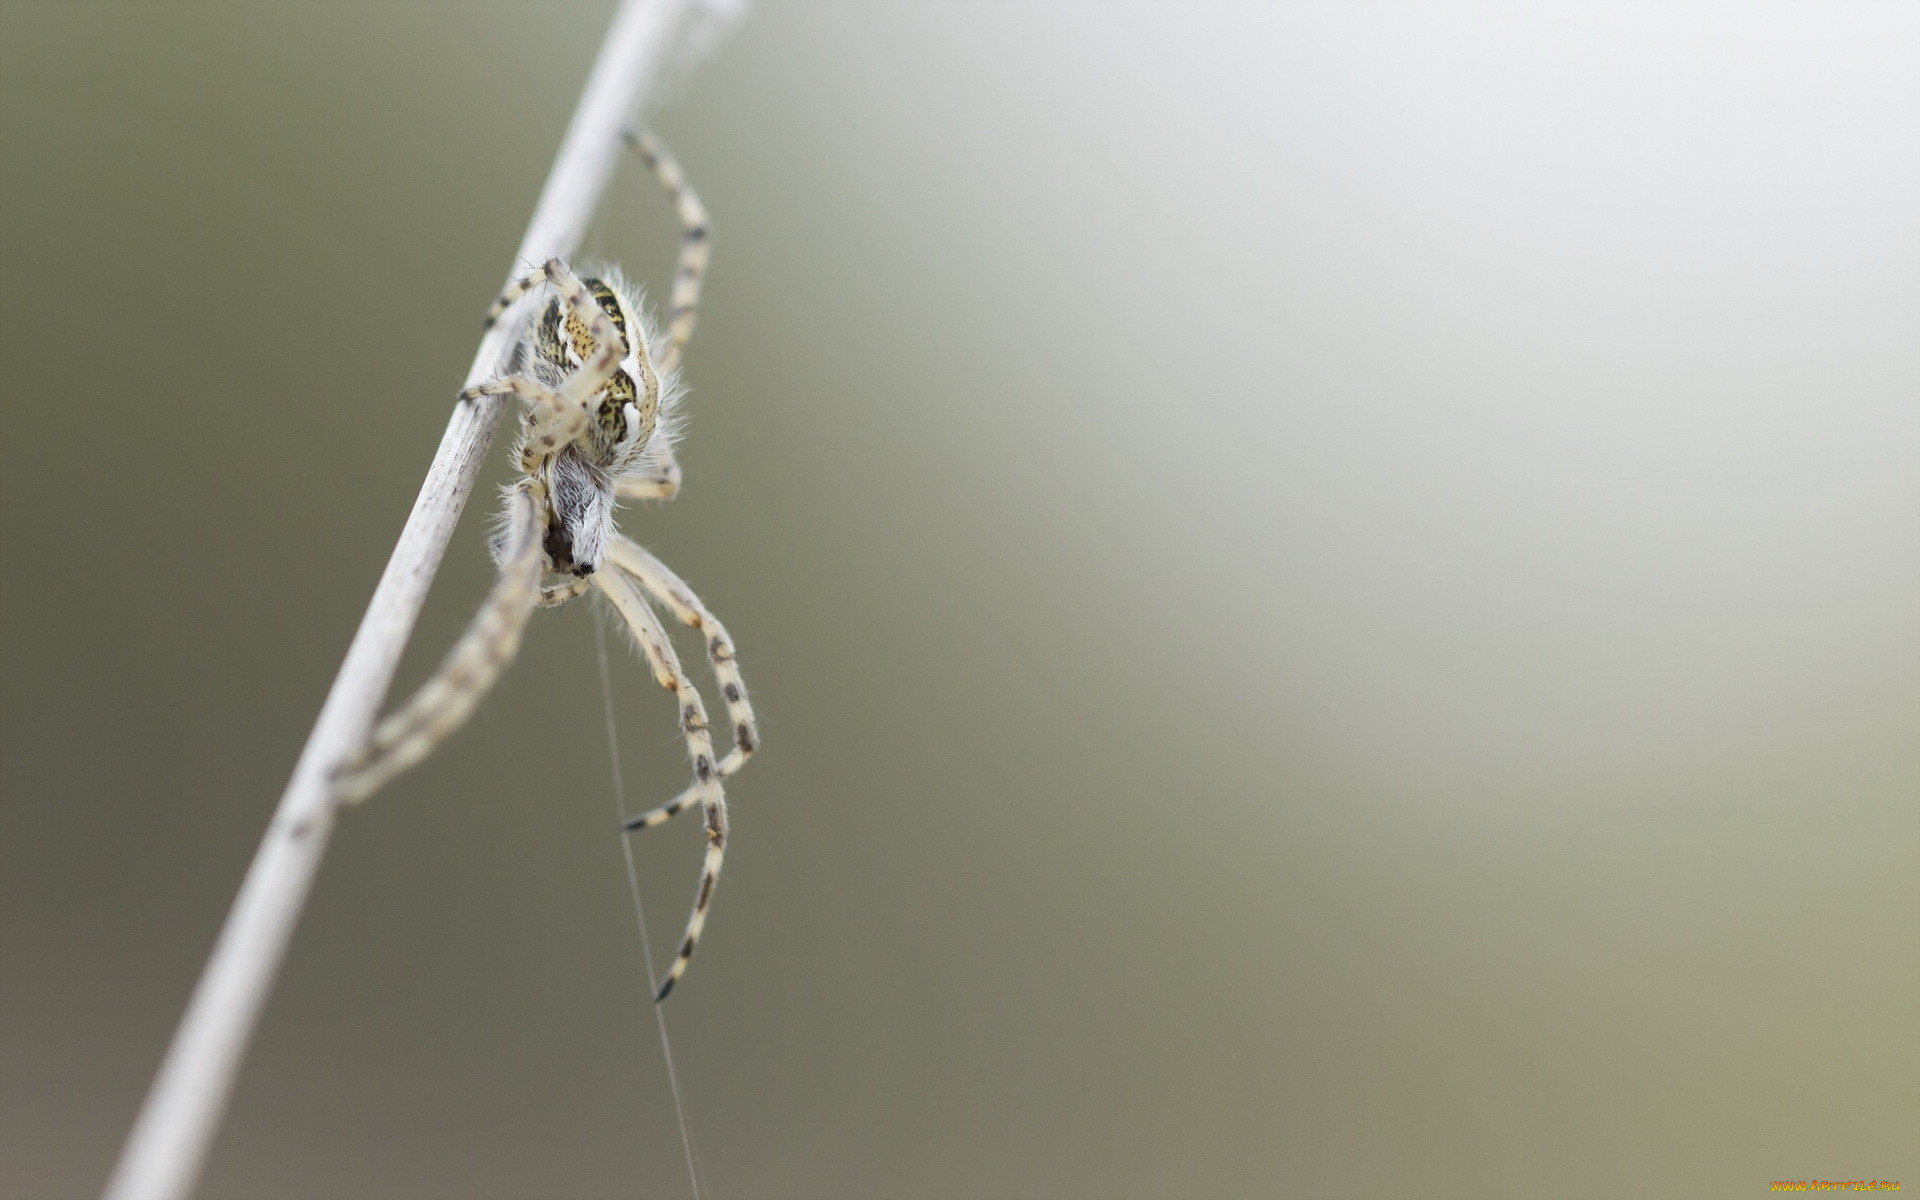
pixel 1332 592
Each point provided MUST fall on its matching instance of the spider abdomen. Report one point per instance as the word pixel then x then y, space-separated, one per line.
pixel 626 412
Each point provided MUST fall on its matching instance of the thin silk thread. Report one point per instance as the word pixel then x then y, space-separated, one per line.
pixel 639 910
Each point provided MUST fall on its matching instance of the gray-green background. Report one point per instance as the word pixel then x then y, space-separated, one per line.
pixel 1334 592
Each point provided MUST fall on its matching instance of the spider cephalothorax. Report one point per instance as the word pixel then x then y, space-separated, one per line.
pixel 598 428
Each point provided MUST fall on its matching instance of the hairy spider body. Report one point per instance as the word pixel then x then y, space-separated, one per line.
pixel 628 437
pixel 598 427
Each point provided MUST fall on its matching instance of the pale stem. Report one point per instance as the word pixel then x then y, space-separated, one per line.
pixel 165 1152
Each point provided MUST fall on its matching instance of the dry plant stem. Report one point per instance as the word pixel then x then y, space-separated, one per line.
pixel 164 1154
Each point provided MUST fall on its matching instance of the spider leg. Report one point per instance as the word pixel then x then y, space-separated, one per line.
pixel 444 702
pixel 694 248
pixel 518 288
pixel 663 483
pixel 652 638
pixel 566 420
pixel 669 589
pixel 560 593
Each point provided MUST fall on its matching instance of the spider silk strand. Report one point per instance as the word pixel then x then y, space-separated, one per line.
pixel 639 909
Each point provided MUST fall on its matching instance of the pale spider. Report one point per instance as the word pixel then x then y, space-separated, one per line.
pixel 598 427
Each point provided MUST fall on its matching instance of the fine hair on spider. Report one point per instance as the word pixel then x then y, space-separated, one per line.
pixel 598 428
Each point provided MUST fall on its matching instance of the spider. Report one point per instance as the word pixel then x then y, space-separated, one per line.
pixel 599 427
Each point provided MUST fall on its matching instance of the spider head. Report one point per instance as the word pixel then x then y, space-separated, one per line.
pixel 560 558
pixel 580 514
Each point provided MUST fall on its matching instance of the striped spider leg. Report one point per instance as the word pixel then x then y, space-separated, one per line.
pixel 670 590
pixel 598 427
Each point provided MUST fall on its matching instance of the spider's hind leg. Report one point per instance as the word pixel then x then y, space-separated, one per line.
pixel 695 251
pixel 566 418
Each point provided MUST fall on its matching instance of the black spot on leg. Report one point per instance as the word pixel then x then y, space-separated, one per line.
pixel 703 768
pixel 731 692
pixel 743 737
pixel 706 891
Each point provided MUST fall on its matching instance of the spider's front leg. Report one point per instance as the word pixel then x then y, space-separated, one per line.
pixel 669 589
pixel 652 639
pixel 557 594
pixel 445 701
